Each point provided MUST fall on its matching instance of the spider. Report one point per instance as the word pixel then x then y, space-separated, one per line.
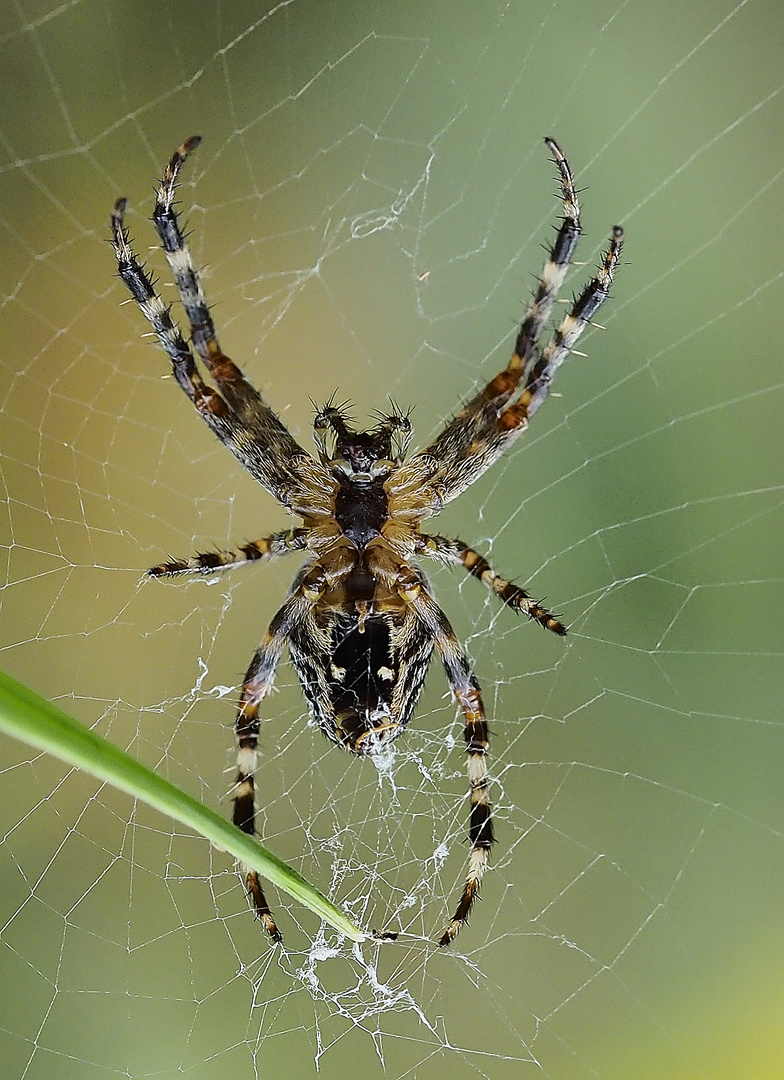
pixel 360 620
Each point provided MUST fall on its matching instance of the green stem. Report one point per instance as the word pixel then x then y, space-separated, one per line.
pixel 39 723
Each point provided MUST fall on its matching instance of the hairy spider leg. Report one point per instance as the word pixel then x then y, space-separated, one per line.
pixel 448 478
pixel 480 413
pixel 468 695
pixel 554 272
pixel 207 562
pixel 166 221
pixel 242 396
pixel 210 404
pixel 460 554
pixel 256 684
pixel 541 374
pixel 261 444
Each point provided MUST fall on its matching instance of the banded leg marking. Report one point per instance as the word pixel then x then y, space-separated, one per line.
pixel 240 419
pixel 480 829
pixel 478 417
pixel 540 376
pixel 239 392
pixel 209 403
pixel 515 597
pixel 256 685
pixel 558 262
pixel 208 562
pixel 469 697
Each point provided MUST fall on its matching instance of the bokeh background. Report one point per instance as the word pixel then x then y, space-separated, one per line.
pixel 369 205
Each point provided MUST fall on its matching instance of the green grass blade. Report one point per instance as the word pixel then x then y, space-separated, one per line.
pixel 39 723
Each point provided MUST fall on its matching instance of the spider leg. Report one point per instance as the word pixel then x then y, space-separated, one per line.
pixel 167 225
pixel 541 374
pixel 256 684
pixel 241 395
pixel 460 554
pixel 207 562
pixel 480 413
pixel 464 462
pixel 247 425
pixel 210 405
pixel 469 697
pixel 558 261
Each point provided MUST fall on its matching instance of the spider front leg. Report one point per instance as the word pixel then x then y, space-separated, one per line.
pixel 460 554
pixel 469 697
pixel 493 419
pixel 238 415
pixel 239 393
pixel 256 684
pixel 473 422
pixel 515 418
pixel 493 430
pixel 210 405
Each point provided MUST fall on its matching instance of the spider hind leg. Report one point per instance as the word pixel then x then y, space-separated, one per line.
pixel 469 697
pixel 256 685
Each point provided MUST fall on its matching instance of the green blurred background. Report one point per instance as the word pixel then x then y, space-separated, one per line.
pixel 369 204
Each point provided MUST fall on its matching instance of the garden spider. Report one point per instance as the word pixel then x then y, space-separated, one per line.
pixel 360 620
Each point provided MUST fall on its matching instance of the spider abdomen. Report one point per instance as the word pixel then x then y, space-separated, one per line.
pixel 351 686
pixel 364 679
pixel 362 676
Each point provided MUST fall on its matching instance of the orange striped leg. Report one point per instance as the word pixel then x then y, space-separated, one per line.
pixel 207 562
pixel 478 417
pixel 469 697
pixel 541 374
pixel 256 685
pixel 455 551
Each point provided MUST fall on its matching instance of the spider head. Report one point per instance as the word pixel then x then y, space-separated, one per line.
pixel 364 455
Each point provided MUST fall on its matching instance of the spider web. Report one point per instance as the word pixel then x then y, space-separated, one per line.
pixel 369 204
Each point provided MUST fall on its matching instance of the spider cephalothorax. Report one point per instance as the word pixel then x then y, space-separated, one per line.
pixel 353 681
pixel 360 621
